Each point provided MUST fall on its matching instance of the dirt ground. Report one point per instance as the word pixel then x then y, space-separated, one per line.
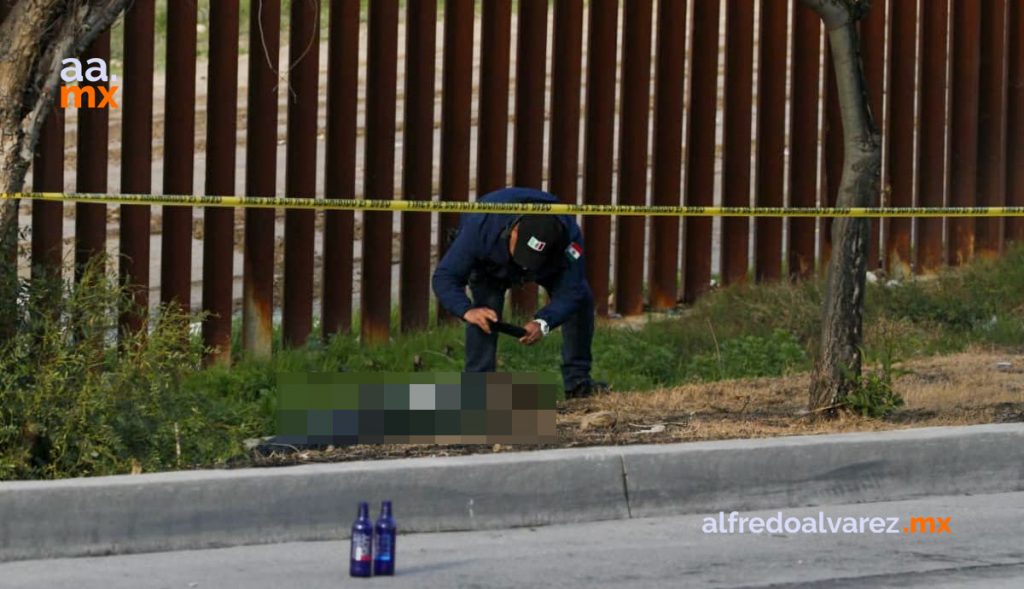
pixel 978 386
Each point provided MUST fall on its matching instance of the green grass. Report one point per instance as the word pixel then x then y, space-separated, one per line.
pixel 72 405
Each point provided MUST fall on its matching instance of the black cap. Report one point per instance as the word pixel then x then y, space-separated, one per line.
pixel 538 238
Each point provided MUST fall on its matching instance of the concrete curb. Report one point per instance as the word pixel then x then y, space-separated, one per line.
pixel 203 509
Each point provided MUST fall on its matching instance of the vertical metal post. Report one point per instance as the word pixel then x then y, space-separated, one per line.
pixel 418 162
pixel 219 223
pixel 633 122
pixel 457 94
pixel 492 130
pixel 179 148
pixel 668 140
pixel 964 125
pixel 379 180
pixel 771 137
pixel 739 76
pixel 992 124
pixel 873 46
pixel 1015 122
pixel 93 145
pixel 902 129
pixel 528 146
pixel 564 134
pixel 700 152
pixel 932 151
pixel 300 172
pixel 261 177
pixel 137 158
pixel 599 133
pixel 48 217
pixel 340 175
pixel 803 137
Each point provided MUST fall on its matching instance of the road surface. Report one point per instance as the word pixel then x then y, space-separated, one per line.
pixel 985 548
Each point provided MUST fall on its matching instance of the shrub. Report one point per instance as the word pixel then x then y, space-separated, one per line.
pixel 873 394
pixel 76 401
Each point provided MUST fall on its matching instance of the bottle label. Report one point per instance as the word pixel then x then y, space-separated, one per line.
pixel 361 548
pixel 384 546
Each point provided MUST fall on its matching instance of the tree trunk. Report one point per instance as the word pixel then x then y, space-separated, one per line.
pixel 35 37
pixel 839 364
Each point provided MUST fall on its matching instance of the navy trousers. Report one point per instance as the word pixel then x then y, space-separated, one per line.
pixel 577 336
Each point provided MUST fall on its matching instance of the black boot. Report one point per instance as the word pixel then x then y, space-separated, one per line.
pixel 587 388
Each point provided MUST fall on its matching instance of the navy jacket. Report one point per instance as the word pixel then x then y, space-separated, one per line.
pixel 482 248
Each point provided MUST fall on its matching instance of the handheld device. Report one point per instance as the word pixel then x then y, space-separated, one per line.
pixel 508 329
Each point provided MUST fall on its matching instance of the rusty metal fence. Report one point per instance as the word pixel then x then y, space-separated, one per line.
pixel 665 102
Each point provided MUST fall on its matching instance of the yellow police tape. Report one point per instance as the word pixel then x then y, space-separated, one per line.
pixel 450 206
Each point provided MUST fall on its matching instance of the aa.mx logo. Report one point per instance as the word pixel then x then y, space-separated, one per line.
pixel 98 96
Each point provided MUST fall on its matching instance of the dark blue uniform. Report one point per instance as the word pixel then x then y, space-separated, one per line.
pixel 479 257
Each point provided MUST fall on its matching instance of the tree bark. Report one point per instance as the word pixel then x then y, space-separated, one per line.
pixel 35 37
pixel 839 363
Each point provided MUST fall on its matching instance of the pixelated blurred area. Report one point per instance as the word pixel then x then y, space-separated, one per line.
pixel 340 409
pixel 961 389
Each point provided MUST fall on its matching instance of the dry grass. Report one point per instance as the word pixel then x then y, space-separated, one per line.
pixel 968 388
pixel 961 389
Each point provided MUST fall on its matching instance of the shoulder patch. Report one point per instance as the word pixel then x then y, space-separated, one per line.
pixel 574 251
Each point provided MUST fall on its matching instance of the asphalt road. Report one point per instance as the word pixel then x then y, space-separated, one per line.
pixel 985 548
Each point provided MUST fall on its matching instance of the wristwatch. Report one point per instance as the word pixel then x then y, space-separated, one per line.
pixel 544 328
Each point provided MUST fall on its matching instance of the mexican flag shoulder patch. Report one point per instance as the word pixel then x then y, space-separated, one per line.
pixel 574 251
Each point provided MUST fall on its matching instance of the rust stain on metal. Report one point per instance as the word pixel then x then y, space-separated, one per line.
pixel 261 180
pixel 218 223
pixel 340 175
pixel 379 180
pixel 932 151
pixel 668 140
pixel 964 125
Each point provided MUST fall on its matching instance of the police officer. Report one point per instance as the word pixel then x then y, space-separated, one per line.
pixel 493 252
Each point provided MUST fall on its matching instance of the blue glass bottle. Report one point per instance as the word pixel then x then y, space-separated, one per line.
pixel 384 536
pixel 361 558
